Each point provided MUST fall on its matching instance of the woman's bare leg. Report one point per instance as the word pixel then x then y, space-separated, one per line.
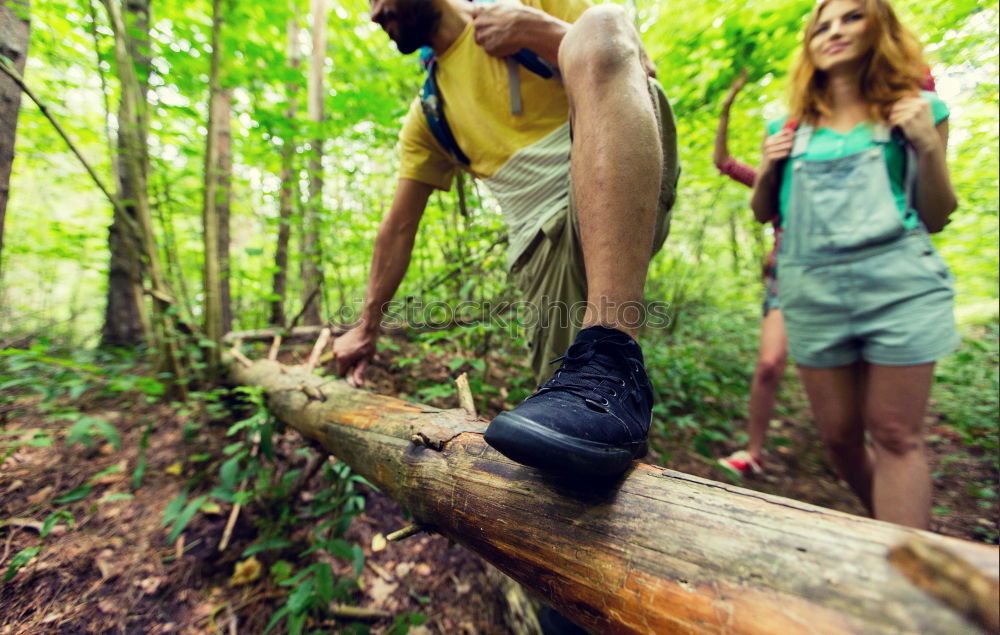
pixel 894 408
pixel 771 361
pixel 836 396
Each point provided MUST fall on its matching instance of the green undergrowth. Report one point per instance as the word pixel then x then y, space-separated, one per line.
pixel 298 539
pixel 700 370
pixel 966 391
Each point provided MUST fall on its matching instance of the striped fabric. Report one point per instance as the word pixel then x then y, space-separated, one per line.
pixel 531 187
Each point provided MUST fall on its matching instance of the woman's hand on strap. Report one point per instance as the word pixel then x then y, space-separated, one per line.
pixel 913 116
pixel 934 198
pixel 777 147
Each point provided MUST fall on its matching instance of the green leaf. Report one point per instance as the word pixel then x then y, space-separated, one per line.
pixel 85 427
pixel 185 517
pixel 139 472
pixel 174 508
pixel 266 545
pixel 229 471
pixel 22 558
pixel 280 613
pixel 324 582
pixel 299 598
pixel 120 496
pixel 75 494
pixel 52 519
pixel 111 470
pixel 281 571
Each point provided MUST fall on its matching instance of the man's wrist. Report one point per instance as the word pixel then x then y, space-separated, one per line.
pixel 370 323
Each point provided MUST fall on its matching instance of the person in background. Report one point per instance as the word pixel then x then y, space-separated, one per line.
pixel 868 303
pixel 773 354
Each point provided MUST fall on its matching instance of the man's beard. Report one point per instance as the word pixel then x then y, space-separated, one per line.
pixel 416 23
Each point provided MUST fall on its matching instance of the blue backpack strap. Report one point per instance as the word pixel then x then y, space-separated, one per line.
pixel 433 107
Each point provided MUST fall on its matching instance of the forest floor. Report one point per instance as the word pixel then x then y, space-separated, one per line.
pixel 111 568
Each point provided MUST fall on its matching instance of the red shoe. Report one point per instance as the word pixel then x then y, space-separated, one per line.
pixel 742 463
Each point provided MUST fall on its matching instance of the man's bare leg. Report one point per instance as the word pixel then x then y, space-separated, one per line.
pixel 616 161
pixel 592 418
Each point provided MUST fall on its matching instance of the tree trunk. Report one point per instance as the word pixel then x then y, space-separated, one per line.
pixel 15 31
pixel 223 199
pixel 657 551
pixel 210 211
pixel 289 181
pixel 312 276
pixel 132 129
pixel 125 320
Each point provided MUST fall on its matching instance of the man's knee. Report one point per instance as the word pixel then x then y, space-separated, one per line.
pixel 600 43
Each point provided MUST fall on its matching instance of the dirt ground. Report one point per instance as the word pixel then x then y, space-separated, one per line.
pixel 113 571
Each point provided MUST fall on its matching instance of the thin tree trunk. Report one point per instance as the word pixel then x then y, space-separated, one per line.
pixel 289 180
pixel 131 131
pixel 210 217
pixel 312 276
pixel 126 322
pixel 223 199
pixel 15 33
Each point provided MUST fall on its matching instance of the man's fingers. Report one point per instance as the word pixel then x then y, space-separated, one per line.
pixel 358 376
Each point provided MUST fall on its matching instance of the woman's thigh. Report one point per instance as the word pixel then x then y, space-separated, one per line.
pixel 836 396
pixel 895 403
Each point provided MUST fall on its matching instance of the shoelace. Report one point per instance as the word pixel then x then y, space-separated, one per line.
pixel 590 384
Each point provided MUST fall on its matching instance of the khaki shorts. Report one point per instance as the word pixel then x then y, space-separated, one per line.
pixel 550 274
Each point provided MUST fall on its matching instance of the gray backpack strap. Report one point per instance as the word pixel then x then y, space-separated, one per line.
pixel 514 81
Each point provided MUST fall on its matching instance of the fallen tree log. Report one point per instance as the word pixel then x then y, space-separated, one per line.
pixel 657 551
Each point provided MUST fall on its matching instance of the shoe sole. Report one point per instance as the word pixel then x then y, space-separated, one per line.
pixel 529 443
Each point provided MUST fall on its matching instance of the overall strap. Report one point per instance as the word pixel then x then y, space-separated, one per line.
pixel 883 135
pixel 803 133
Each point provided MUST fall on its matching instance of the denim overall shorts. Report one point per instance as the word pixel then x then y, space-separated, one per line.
pixel 855 283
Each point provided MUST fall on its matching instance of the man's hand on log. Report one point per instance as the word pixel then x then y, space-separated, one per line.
pixel 353 350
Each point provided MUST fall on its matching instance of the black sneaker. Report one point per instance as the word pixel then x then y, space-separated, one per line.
pixel 591 418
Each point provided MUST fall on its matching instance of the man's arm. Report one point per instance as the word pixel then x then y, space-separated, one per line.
pixel 391 257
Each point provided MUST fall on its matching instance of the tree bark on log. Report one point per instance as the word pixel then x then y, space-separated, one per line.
pixel 657 551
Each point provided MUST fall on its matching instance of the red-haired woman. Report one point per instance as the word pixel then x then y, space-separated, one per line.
pixel 867 301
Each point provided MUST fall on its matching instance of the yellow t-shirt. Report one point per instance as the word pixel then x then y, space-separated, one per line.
pixel 475 90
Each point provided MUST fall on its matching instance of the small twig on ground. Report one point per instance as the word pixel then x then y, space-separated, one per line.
pixel 405 532
pixel 379 571
pixel 232 620
pixel 6 547
pixel 321 343
pixel 358 613
pixel 241 358
pixel 275 344
pixel 465 399
pixel 227 533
